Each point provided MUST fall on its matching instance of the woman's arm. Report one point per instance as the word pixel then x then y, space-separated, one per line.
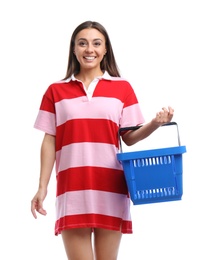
pixel 162 117
pixel 47 164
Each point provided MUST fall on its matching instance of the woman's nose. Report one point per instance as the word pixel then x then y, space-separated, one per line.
pixel 89 48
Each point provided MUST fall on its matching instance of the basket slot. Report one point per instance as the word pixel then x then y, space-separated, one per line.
pixel 161 160
pixel 156 193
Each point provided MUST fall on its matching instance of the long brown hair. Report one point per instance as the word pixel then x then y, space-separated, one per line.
pixel 108 63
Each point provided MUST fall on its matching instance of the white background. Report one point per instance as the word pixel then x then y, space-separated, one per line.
pixel 162 48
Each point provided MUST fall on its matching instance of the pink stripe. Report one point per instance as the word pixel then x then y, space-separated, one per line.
pixel 80 202
pixel 84 154
pixel 45 121
pixel 98 107
pixel 132 116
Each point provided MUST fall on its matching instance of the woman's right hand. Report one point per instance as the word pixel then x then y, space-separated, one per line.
pixel 37 203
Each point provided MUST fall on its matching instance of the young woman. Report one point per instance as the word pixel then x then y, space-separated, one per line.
pixel 80 116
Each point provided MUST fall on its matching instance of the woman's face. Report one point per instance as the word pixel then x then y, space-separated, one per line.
pixel 90 48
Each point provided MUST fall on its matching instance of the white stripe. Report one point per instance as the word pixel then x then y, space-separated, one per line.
pixel 79 108
pixel 87 154
pixel 91 201
pixel 45 121
pixel 132 116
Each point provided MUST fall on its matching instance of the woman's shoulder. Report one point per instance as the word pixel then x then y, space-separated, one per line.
pixel 59 83
pixel 120 81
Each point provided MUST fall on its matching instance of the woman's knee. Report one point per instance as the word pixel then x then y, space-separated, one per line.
pixel 106 244
pixel 78 244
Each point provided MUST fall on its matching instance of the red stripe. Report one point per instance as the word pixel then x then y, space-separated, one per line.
pixel 87 130
pixel 95 178
pixel 72 89
pixel 47 104
pixel 60 91
pixel 92 221
pixel 119 89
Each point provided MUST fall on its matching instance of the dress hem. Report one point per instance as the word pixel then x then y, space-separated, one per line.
pixel 123 231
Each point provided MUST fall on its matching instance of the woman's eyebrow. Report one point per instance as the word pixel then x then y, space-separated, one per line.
pixel 81 39
pixel 84 39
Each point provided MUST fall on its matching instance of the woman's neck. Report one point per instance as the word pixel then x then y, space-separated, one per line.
pixel 88 76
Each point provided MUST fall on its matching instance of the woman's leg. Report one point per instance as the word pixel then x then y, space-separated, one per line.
pixel 78 245
pixel 106 244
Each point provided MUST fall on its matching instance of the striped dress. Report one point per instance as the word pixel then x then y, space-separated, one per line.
pixel 91 188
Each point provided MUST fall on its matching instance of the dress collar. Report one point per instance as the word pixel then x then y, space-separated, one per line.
pixel 104 76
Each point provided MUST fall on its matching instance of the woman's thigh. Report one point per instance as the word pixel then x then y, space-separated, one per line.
pixel 106 244
pixel 78 244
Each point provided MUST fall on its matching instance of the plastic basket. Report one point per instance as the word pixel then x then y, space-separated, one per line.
pixel 153 175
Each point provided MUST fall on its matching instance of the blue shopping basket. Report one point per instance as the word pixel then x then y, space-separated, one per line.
pixel 153 175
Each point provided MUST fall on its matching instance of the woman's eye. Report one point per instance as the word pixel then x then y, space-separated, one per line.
pixel 82 43
pixel 97 43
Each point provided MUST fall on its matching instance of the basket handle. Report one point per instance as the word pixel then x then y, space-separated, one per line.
pixel 122 129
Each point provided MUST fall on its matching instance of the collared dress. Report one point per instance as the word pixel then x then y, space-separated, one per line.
pixel 91 190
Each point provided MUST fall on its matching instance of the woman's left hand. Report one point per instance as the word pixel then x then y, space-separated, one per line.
pixel 164 116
